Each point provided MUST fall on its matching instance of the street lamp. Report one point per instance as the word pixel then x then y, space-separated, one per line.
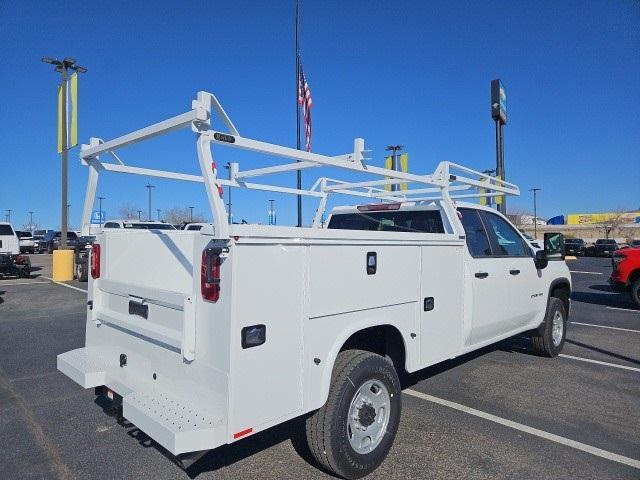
pixel 62 67
pixel 190 214
pixel 158 211
pixel 394 162
pixel 149 187
pixel 535 210
pixel 139 214
pixel 8 214
pixel 100 210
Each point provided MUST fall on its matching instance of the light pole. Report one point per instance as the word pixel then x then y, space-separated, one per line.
pixel 8 214
pixel 228 167
pixel 139 214
pixel 68 207
pixel 31 222
pixel 394 162
pixel 62 67
pixel 158 211
pixel 100 210
pixel 149 187
pixel 535 210
pixel 190 214
pixel 491 173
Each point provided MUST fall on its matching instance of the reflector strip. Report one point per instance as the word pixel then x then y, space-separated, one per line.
pixel 242 433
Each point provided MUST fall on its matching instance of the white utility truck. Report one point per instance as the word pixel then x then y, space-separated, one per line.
pixel 207 337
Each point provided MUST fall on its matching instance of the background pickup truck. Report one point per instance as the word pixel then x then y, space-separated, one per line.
pixel 205 337
pixel 625 276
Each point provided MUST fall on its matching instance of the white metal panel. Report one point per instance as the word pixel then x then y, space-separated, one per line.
pixel 443 280
pixel 268 289
pixel 340 282
pixel 156 259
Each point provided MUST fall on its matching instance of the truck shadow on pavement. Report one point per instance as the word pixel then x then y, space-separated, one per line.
pixel 292 430
pixel 607 298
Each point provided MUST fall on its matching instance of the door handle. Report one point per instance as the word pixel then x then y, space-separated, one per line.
pixel 481 274
pixel 514 272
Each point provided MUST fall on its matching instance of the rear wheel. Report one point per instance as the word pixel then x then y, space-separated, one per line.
pixel 82 270
pixel 352 433
pixel 549 339
pixel 635 292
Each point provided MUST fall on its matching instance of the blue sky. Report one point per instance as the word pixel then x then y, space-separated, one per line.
pixel 415 73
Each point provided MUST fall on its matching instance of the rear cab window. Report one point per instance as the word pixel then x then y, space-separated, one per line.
pixel 6 230
pixel 416 221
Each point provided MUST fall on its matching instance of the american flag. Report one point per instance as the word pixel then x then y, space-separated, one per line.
pixel 304 99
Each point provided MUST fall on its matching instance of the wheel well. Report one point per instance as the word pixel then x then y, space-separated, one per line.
pixel 563 292
pixel 634 276
pixel 385 340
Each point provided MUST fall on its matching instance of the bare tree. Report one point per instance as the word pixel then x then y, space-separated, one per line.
pixel 178 215
pixel 128 211
pixel 611 225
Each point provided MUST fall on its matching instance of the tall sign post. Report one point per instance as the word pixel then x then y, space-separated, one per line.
pixel 499 115
pixel 66 141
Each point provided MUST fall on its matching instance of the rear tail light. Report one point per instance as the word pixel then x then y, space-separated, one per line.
pixel 95 261
pixel 210 274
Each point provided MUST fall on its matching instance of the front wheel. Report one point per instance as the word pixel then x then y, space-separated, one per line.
pixel 549 339
pixel 352 433
pixel 634 291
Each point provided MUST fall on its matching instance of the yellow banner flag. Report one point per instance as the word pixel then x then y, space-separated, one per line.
pixel 60 107
pixel 74 111
pixel 482 191
pixel 388 164
pixel 404 167
pixel 499 183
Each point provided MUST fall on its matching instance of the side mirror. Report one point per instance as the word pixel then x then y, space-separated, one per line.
pixel 554 245
pixel 541 261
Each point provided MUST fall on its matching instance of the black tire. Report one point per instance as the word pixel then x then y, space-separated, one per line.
pixel 542 341
pixel 82 270
pixel 634 291
pixel 328 429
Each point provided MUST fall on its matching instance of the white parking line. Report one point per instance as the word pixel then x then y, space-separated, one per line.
pixel 605 326
pixel 599 362
pixel 530 430
pixel 23 283
pixel 591 273
pixel 624 309
pixel 65 285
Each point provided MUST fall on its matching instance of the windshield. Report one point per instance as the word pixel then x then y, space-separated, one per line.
pixel 423 221
pixel 149 226
pixel 605 242
pixel 574 240
pixel 23 234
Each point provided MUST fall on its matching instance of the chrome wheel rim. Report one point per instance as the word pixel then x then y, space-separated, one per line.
pixel 557 328
pixel 368 416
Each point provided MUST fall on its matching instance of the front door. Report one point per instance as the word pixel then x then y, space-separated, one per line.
pixel 485 275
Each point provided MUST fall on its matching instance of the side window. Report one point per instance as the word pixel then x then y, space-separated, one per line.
pixel 477 240
pixel 504 238
pixel 111 225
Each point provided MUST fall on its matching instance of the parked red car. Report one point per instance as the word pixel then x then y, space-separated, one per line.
pixel 626 272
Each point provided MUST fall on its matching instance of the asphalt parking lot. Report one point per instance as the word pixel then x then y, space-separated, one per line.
pixel 499 413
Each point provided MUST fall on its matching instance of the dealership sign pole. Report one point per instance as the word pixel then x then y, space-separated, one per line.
pixel 499 115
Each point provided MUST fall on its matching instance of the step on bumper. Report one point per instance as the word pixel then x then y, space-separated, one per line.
pixel 176 424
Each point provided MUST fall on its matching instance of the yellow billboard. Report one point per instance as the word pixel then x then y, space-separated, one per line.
pixel 591 218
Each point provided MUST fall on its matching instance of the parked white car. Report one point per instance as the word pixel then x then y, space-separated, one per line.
pixel 11 262
pixel 138 225
pixel 207 337
pixel 27 243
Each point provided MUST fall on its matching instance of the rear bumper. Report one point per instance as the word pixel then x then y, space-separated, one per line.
pixel 179 423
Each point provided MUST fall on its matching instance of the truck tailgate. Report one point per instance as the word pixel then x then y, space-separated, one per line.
pixel 145 286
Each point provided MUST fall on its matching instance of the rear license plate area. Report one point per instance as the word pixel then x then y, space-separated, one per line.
pixel 139 309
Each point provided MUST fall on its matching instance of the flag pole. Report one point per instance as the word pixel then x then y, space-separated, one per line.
pixel 299 172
